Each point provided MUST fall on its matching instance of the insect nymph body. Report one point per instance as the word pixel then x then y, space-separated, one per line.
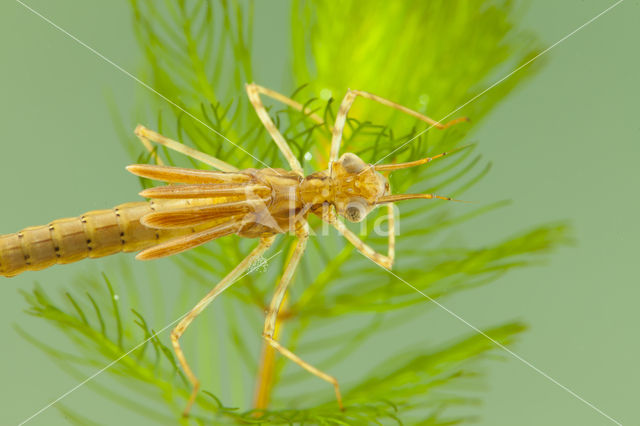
pixel 199 206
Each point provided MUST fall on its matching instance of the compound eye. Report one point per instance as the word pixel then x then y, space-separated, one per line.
pixel 352 163
pixel 355 211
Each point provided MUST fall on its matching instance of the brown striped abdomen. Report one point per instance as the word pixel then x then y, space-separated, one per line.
pixel 95 234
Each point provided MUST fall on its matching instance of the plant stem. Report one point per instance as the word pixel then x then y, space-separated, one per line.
pixel 264 382
pixel 265 377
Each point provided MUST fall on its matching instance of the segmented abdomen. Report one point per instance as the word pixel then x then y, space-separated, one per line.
pixel 95 234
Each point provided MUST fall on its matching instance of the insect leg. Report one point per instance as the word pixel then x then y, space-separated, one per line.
pixel 408 111
pixel 274 307
pixel 361 246
pixel 348 101
pixel 338 127
pixel 147 136
pixel 391 229
pixel 148 145
pixel 253 92
pixel 287 101
pixel 196 310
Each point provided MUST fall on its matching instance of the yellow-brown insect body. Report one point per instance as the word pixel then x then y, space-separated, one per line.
pixel 350 185
pixel 250 203
pixel 282 209
pixel 95 234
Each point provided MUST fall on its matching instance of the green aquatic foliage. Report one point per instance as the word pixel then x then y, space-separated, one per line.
pixel 432 56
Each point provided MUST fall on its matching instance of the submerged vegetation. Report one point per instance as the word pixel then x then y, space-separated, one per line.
pixel 432 56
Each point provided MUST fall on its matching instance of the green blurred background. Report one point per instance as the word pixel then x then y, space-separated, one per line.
pixel 564 145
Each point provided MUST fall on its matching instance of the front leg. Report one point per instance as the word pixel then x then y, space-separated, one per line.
pixel 345 106
pixel 382 260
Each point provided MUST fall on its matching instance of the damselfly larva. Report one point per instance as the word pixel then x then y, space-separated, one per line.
pixel 205 205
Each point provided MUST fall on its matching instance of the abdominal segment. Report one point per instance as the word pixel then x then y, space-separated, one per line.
pixel 95 234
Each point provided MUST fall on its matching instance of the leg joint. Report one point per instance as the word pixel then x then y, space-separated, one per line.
pixel 175 335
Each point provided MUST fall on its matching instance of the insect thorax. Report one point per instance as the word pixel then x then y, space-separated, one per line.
pixel 350 185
